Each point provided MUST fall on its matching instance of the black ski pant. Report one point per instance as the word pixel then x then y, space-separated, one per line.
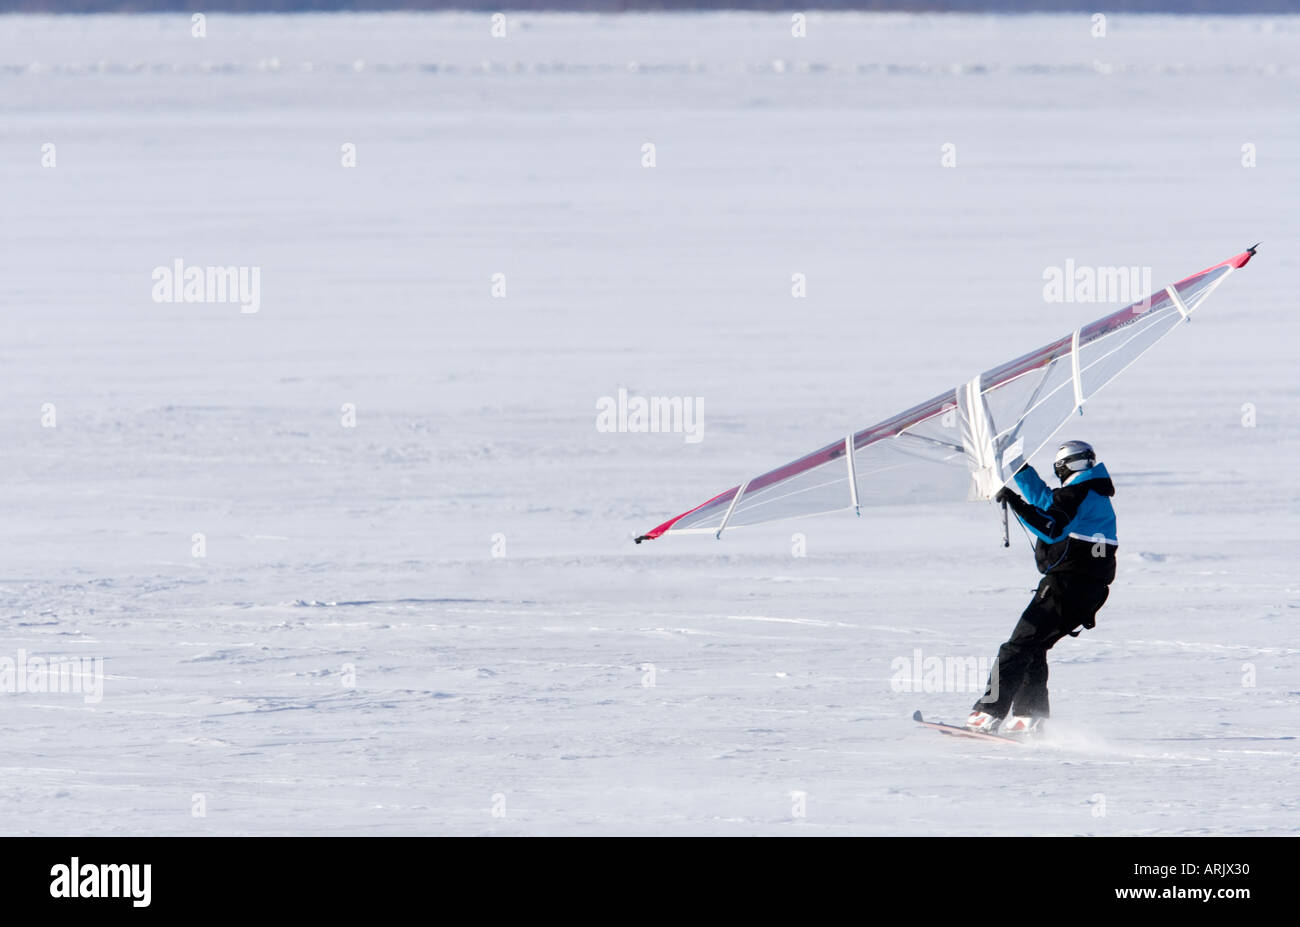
pixel 1018 682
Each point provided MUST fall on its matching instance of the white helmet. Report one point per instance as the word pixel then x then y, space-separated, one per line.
pixel 1073 456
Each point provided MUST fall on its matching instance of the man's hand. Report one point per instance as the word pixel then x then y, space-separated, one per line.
pixel 1006 496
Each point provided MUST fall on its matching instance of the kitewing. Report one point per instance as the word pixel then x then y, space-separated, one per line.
pixel 970 439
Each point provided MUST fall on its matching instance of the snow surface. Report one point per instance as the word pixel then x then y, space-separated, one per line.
pixel 509 694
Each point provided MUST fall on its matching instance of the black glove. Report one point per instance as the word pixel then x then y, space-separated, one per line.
pixel 1006 496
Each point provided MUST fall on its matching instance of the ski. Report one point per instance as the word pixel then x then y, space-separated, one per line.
pixel 955 731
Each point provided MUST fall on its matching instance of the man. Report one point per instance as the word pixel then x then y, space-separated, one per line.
pixel 1075 527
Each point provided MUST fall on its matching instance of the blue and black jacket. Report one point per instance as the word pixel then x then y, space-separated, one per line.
pixel 1075 525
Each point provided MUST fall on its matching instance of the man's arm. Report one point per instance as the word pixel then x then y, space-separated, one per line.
pixel 1052 522
pixel 1032 487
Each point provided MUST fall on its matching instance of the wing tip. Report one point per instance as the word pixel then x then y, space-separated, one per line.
pixel 1243 259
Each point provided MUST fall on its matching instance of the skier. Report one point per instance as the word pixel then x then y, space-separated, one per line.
pixel 1075 527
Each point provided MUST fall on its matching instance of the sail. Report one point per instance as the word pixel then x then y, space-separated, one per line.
pixel 968 441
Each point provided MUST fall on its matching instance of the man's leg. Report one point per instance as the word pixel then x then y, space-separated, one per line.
pixel 1071 603
pixel 1032 701
pixel 1026 648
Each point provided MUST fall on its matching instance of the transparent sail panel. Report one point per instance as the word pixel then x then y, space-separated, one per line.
pixel 907 469
pixel 815 491
pixel 1104 359
pixel 937 437
pixel 1051 409
pixel 1011 404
